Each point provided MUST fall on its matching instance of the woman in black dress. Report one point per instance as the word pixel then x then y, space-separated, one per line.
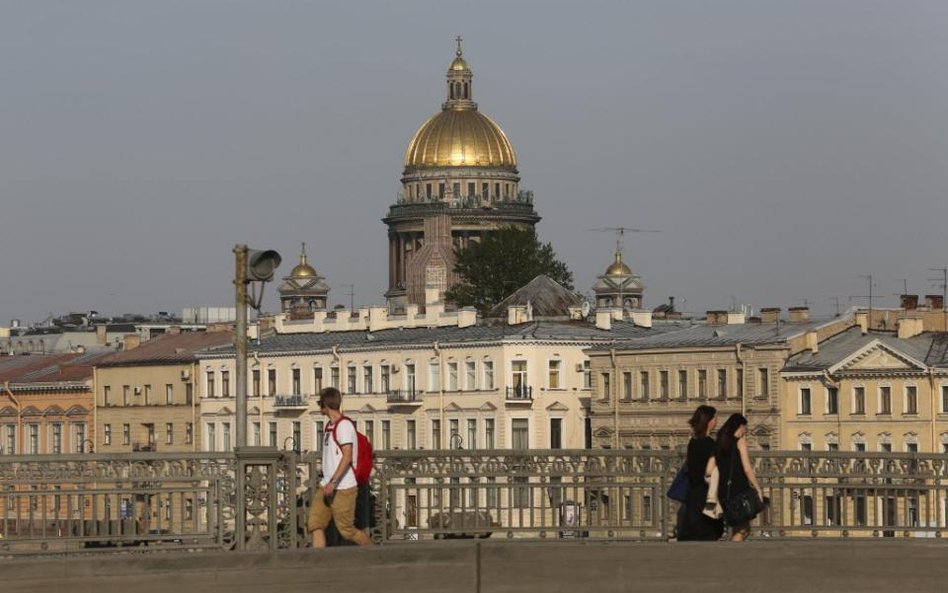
pixel 693 524
pixel 733 462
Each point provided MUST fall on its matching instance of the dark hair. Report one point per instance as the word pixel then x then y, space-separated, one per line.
pixel 726 438
pixel 331 398
pixel 700 420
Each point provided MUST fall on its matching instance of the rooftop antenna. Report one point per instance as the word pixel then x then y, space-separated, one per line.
pixel 835 305
pixel 351 294
pixel 869 297
pixel 942 283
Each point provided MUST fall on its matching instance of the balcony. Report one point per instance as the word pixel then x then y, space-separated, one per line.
pixel 290 402
pixel 519 394
pixel 146 447
pixel 403 397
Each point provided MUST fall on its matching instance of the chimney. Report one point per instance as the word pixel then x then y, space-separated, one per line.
pixel 798 314
pixel 862 320
pixel 432 294
pixel 716 318
pixel 604 319
pixel 812 342
pixel 935 302
pixel 517 314
pixel 100 334
pixel 131 341
pixel 909 327
pixel 754 320
pixel 769 315
pixel 174 330
pixel 909 301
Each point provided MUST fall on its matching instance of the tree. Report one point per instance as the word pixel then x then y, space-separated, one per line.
pixel 500 263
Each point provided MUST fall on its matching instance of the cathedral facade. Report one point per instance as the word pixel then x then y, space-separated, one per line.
pixel 460 180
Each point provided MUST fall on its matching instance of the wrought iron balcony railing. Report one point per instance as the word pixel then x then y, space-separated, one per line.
pixel 145 447
pixel 520 393
pixel 403 396
pixel 289 401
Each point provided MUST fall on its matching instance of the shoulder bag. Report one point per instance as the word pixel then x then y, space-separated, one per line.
pixel 740 507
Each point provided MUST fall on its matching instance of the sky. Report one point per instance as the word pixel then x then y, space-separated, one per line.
pixel 784 149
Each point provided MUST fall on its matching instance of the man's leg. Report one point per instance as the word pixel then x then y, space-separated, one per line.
pixel 319 517
pixel 343 513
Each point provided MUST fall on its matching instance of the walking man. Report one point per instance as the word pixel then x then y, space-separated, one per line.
pixel 336 498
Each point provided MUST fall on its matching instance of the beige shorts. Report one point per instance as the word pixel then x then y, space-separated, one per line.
pixel 341 510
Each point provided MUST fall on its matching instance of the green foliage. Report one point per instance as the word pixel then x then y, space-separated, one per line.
pixel 500 263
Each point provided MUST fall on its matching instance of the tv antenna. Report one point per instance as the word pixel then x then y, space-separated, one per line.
pixel 351 294
pixel 620 232
pixel 942 283
pixel 869 297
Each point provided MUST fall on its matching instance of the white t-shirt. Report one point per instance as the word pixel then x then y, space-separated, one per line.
pixel 332 454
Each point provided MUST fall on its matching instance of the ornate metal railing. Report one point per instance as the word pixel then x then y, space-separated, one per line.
pixel 258 498
pixel 295 400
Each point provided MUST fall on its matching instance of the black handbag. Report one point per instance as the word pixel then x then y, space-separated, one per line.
pixel 678 490
pixel 740 507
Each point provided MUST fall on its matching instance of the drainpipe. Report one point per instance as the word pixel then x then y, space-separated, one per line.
pixel 933 401
pixel 195 425
pixel 614 388
pixel 19 419
pixel 256 359
pixel 739 354
pixel 94 433
pixel 437 350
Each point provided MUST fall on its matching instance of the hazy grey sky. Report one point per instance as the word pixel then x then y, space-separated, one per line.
pixel 783 148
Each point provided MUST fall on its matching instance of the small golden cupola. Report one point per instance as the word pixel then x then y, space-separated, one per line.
pixel 619 286
pixel 303 292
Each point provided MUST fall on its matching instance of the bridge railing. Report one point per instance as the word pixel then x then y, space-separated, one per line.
pixel 258 497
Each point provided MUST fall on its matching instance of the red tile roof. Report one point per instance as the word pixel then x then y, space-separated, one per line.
pixel 169 349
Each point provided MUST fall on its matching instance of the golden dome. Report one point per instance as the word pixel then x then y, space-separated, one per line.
pixel 303 269
pixel 618 268
pixel 458 65
pixel 460 138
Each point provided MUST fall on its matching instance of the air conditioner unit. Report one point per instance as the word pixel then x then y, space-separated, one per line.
pixel 185 374
pixel 138 390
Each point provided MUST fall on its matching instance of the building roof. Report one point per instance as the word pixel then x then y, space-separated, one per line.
pixel 170 349
pixel 51 368
pixel 580 332
pixel 548 298
pixel 930 348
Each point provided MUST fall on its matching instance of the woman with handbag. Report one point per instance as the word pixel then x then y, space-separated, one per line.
pixel 738 490
pixel 693 524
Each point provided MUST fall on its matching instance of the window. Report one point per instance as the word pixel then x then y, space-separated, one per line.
pixel 271 382
pixel 385 378
pixel 556 433
pixel 334 377
pixel 126 434
pixel 885 400
pixel 911 447
pixel 606 386
pixel 470 375
pixel 169 394
pixel 211 437
pixel 317 380
pixel 627 385
pixel 255 383
pixel 452 376
pixel 189 394
pixel 722 383
pixel 386 434
pixel 11 448
pixel 643 385
pixel 682 384
pixel 472 433
pixel 805 401
pixel 107 394
pixel 369 431
pixel 663 386
pixel 351 379
pixel 148 396
pixel 255 428
pixel 410 378
pixel 859 447
pixel 520 433
pixel 80 428
pixel 587 374
pixel 169 433
pixel 368 379
pixel 225 383
pixel 297 435
pixel 859 400
pixel 454 433
pixel 832 400
pixel 319 428
pixel 944 399
pixel 832 446
pixel 411 435
pixel 125 392
pixel 702 383
pixel 434 376
pixel 272 428
pixel 488 374
pixel 188 433
pixel 553 376
pixel 763 382
pixel 107 437
pixel 740 383
pixel 911 399
pixel 57 438
pixel 489 433
pixel 806 446
pixel 211 392
pixel 885 447
pixel 519 378
pixel 435 434
pixel 295 381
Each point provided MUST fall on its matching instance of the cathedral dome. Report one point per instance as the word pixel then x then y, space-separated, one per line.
pixel 460 138
pixel 460 135
pixel 303 269
pixel 618 268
